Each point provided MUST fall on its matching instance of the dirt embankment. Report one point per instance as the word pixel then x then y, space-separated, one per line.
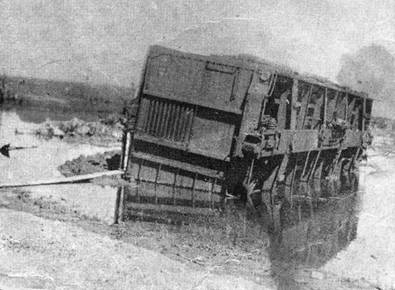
pixel 229 249
pixel 201 251
pixel 93 163
pixel 37 253
pixel 100 162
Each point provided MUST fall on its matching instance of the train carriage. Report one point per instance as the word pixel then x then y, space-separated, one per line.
pixel 208 128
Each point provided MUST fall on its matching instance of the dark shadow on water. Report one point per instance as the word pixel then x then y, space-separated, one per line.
pixel 311 232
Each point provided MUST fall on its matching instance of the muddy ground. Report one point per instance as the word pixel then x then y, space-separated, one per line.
pixel 64 254
pixel 49 245
pixel 218 253
pixel 109 160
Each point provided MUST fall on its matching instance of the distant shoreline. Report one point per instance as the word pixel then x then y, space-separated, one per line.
pixel 65 96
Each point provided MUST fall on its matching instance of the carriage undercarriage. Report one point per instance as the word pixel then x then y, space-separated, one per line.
pixel 299 177
pixel 258 184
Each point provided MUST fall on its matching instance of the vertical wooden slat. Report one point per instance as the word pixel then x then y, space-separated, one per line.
pixel 188 125
pixel 179 123
pixel 159 119
pixel 176 123
pixel 181 127
pixel 363 114
pixel 168 119
pixel 176 173
pixel 315 163
pixel 305 103
pixel 346 105
pixel 193 189
pixel 293 101
pixel 305 164
pixel 325 108
pixel 151 115
pixel 154 117
pixel 118 202
pixel 163 127
pixel 188 113
pixel 214 180
pixel 147 117
pixel 171 120
pixel 183 121
pixel 156 182
pixel 138 179
pixel 290 179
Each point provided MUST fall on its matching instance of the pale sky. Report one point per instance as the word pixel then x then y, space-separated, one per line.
pixel 106 40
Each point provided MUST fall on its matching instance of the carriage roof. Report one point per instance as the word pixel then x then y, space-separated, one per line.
pixel 258 64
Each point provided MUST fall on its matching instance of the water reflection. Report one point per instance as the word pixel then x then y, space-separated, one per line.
pixel 311 231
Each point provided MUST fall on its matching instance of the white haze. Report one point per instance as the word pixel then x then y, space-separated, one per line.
pixel 105 41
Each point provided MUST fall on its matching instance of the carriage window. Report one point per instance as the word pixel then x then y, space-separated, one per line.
pixel 277 106
pixel 359 113
pixel 341 106
pixel 354 116
pixel 330 104
pixel 311 112
pixel 368 111
pixel 317 102
pixel 304 91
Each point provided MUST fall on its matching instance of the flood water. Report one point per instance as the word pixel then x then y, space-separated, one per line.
pixel 41 164
pixel 309 234
pixel 352 235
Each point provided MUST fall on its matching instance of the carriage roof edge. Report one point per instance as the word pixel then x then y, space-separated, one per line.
pixel 256 64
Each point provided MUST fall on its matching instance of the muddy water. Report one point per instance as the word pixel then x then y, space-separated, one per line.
pixel 308 234
pixel 371 255
pixel 41 163
pixel 351 236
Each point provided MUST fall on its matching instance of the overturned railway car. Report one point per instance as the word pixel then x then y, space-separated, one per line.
pixel 209 128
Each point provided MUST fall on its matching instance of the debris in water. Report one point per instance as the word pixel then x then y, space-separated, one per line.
pixel 77 129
